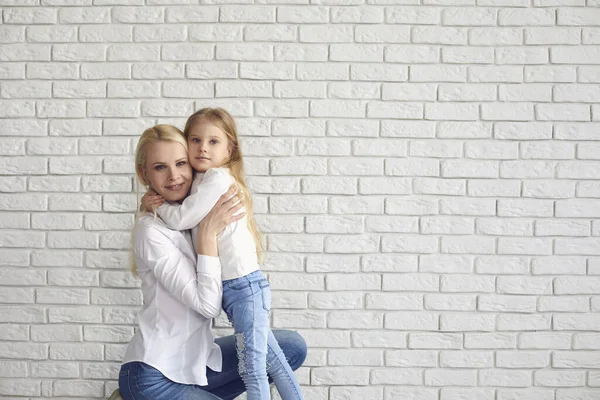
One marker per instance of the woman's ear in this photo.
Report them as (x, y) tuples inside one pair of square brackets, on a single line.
[(145, 176)]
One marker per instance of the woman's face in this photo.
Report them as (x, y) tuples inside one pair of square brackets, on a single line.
[(167, 170)]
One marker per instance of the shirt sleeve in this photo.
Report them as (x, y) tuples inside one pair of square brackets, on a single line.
[(197, 285), (194, 208)]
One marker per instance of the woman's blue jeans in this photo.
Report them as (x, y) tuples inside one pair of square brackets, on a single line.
[(247, 302), (139, 381)]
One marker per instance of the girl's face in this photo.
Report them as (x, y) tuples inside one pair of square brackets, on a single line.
[(167, 170), (208, 146)]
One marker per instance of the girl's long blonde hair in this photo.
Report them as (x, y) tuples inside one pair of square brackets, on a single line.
[(224, 121), (158, 133)]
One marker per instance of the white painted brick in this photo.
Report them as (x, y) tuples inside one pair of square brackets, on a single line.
[(504, 227), (553, 35), (332, 263), (352, 392), (449, 393), (138, 14), (298, 242), (359, 52), (409, 91), (541, 394), (334, 224), (351, 244), (76, 351), (378, 72), (24, 90), (575, 17), (445, 264), (191, 14), (413, 15), (495, 36), (354, 90), (394, 110), (374, 338), (61, 109), (159, 33), (335, 301), (12, 70), (438, 73), (453, 129), (317, 147), (30, 16), (12, 34), (295, 281), (80, 388), (103, 33), (413, 206), (331, 185), (14, 369), (505, 377), (105, 71), (527, 169), (282, 108), (20, 52), (339, 376), (51, 34), (591, 36), (409, 53), (412, 321)]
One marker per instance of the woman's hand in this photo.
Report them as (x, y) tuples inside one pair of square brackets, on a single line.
[(221, 215), (151, 201)]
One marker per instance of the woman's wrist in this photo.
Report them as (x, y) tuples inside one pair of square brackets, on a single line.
[(207, 243)]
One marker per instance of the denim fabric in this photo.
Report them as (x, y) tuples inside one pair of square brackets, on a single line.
[(139, 381), (247, 302)]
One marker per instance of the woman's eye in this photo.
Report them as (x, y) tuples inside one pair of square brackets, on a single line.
[(159, 167), (181, 163)]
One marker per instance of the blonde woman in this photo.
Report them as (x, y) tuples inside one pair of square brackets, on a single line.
[(173, 354)]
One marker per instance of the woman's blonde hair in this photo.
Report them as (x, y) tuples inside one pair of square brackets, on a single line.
[(158, 133), (224, 121)]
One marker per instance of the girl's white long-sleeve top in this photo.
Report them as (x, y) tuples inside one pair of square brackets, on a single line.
[(237, 249), (182, 293)]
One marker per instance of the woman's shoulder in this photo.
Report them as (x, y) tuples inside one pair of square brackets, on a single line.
[(151, 235), (147, 224)]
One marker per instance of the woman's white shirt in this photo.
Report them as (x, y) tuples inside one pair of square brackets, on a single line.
[(182, 293), (237, 249)]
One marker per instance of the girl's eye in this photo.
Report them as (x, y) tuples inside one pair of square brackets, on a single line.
[(214, 141), (194, 140)]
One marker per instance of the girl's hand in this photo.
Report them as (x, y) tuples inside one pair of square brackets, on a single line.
[(151, 201), (221, 215)]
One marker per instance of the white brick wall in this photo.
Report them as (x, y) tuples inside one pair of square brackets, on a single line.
[(426, 174)]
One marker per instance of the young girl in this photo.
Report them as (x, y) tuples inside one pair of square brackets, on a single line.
[(214, 153)]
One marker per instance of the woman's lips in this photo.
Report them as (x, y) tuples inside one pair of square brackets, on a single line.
[(175, 187)]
